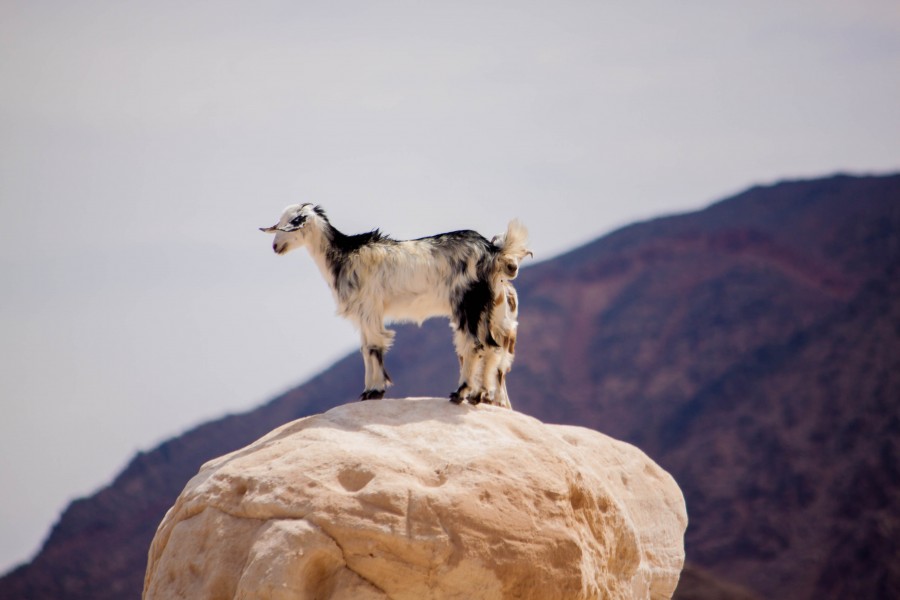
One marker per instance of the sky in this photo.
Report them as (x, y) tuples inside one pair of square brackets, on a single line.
[(143, 143)]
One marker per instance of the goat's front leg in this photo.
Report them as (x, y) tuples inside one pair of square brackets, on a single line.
[(375, 343)]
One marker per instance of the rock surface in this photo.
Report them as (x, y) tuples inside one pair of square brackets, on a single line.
[(420, 498)]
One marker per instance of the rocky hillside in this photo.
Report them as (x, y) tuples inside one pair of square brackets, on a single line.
[(752, 349)]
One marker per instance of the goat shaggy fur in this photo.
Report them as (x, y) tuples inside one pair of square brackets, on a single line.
[(374, 278), (483, 367)]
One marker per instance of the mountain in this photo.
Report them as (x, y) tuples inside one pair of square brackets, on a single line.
[(752, 349)]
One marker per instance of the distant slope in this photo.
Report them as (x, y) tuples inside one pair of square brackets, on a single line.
[(792, 458), (752, 348)]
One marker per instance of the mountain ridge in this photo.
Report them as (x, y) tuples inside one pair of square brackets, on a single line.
[(726, 343)]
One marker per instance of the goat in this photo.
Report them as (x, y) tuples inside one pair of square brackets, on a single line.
[(373, 277)]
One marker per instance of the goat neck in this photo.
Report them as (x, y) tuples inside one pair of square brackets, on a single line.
[(320, 245)]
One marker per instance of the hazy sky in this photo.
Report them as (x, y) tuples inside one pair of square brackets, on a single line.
[(143, 143)]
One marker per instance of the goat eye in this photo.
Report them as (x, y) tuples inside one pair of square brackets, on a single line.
[(297, 220)]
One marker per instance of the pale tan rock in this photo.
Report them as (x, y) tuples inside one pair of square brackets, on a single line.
[(423, 499)]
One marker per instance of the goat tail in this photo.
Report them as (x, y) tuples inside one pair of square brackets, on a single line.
[(511, 249), (514, 241)]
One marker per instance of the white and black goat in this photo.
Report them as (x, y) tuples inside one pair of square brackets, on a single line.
[(375, 278)]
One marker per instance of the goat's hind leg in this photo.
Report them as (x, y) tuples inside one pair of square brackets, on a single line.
[(470, 353), (491, 375)]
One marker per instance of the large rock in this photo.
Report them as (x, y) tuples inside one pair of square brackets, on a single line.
[(417, 499)]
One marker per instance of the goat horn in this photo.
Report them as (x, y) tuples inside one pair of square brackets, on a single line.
[(275, 228)]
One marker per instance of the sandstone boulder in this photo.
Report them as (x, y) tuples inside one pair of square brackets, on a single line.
[(417, 499)]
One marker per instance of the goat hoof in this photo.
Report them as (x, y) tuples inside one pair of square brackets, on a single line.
[(461, 393), (482, 397), (487, 398), (372, 395)]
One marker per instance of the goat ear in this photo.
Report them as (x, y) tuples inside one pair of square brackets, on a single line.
[(271, 229)]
